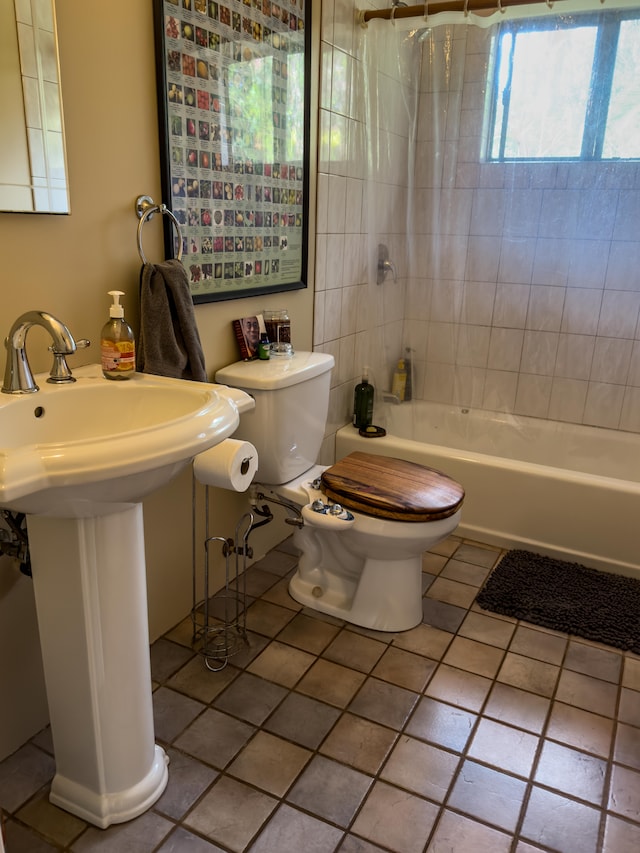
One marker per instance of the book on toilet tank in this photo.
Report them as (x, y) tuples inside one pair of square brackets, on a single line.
[(248, 331)]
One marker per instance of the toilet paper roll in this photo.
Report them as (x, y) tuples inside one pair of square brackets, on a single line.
[(229, 465)]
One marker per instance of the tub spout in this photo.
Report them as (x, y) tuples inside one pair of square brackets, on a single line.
[(18, 378), (388, 397)]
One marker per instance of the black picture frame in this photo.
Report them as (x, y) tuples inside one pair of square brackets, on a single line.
[(234, 115)]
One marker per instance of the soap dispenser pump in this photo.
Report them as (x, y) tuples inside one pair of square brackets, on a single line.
[(117, 344)]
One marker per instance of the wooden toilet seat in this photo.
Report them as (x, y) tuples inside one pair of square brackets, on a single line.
[(385, 487)]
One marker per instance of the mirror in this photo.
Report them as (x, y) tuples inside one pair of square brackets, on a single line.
[(33, 171)]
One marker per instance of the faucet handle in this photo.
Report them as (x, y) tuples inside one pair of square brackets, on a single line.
[(83, 343), (60, 371)]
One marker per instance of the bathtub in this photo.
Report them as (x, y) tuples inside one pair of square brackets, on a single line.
[(568, 491)]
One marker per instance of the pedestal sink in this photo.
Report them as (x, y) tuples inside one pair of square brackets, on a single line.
[(78, 459)]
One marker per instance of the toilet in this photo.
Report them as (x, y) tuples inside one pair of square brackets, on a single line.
[(367, 519)]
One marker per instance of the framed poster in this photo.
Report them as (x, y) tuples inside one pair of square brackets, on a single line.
[(233, 80)]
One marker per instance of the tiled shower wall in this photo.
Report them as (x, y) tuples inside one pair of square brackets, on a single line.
[(351, 315), (524, 293), (533, 295)]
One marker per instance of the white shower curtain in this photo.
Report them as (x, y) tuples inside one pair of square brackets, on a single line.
[(517, 276)]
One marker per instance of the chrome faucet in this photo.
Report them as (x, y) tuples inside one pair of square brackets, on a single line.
[(18, 378)]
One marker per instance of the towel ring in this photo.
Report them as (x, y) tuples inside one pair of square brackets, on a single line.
[(145, 209)]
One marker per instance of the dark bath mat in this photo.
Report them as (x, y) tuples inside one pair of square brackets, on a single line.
[(566, 597)]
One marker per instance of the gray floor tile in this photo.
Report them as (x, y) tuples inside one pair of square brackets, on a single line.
[(142, 835), (290, 831), (330, 790), (22, 774), (250, 698), (173, 712), (560, 823), (360, 743), (215, 738), (455, 736), (421, 767), (384, 703), (488, 795), (571, 772), (457, 832), (270, 763), (355, 651), (396, 819), (308, 633), (517, 707), (504, 747), (231, 813), (303, 720), (188, 780), (442, 724)]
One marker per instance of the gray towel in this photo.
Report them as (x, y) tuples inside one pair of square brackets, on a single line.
[(168, 343)]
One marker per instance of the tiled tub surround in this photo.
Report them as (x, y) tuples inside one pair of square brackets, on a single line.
[(471, 732), (524, 292)]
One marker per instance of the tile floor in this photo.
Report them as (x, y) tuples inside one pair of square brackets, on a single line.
[(469, 734)]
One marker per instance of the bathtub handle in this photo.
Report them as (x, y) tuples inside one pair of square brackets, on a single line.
[(385, 265)]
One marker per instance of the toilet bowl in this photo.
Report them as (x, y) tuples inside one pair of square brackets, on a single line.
[(367, 519)]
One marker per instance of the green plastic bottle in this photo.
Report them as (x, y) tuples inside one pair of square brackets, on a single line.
[(363, 402)]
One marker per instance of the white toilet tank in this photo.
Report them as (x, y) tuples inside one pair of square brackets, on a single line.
[(292, 400)]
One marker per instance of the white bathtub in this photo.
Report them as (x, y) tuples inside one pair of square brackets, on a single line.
[(571, 492)]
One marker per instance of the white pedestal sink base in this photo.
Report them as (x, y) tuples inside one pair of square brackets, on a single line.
[(90, 589)]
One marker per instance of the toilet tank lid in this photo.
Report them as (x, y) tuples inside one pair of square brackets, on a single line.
[(276, 372)]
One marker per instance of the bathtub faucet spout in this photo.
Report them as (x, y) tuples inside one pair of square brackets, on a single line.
[(388, 397)]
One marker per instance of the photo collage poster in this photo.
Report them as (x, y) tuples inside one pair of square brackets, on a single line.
[(235, 90)]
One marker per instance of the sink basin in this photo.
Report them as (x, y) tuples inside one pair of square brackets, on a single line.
[(76, 450)]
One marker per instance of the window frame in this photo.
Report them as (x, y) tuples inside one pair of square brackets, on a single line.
[(600, 85)]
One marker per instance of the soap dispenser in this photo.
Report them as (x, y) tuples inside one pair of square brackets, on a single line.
[(363, 402), (117, 344)]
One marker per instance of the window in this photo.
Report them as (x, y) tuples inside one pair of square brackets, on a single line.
[(567, 89)]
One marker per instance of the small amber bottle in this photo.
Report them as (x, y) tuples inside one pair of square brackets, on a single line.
[(117, 344)]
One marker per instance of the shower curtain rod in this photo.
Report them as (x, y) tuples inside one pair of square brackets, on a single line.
[(397, 12)]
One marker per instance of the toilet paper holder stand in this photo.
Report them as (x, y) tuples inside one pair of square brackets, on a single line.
[(219, 620)]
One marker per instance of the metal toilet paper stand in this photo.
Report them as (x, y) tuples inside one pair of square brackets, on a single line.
[(220, 620)]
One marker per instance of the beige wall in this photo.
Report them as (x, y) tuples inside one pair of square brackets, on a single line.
[(65, 265)]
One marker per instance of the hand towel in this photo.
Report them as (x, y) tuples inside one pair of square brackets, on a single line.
[(168, 343)]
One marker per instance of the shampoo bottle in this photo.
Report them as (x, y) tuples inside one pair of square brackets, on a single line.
[(399, 384), (408, 391), (363, 402), (117, 344)]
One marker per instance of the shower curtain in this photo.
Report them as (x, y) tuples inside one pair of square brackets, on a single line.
[(516, 262), (392, 60)]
